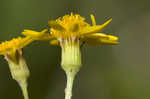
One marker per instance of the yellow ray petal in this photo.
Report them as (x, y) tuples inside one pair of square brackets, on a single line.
[(109, 42), (96, 35), (25, 41), (96, 40), (101, 41), (93, 19), (54, 42), (95, 28), (37, 35), (113, 38), (33, 33)]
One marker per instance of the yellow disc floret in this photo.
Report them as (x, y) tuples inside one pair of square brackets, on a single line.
[(68, 26)]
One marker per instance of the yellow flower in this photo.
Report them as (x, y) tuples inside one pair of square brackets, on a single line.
[(12, 50), (11, 46), (70, 32), (74, 26)]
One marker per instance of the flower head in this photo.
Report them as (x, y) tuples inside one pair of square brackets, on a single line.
[(70, 31), (12, 50), (10, 47), (75, 26)]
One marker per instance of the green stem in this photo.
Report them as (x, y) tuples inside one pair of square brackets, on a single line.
[(23, 86), (68, 90)]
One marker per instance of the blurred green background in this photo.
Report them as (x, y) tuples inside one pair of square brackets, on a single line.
[(108, 72)]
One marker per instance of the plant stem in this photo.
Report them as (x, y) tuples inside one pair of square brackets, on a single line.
[(68, 90), (23, 86), (71, 62)]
